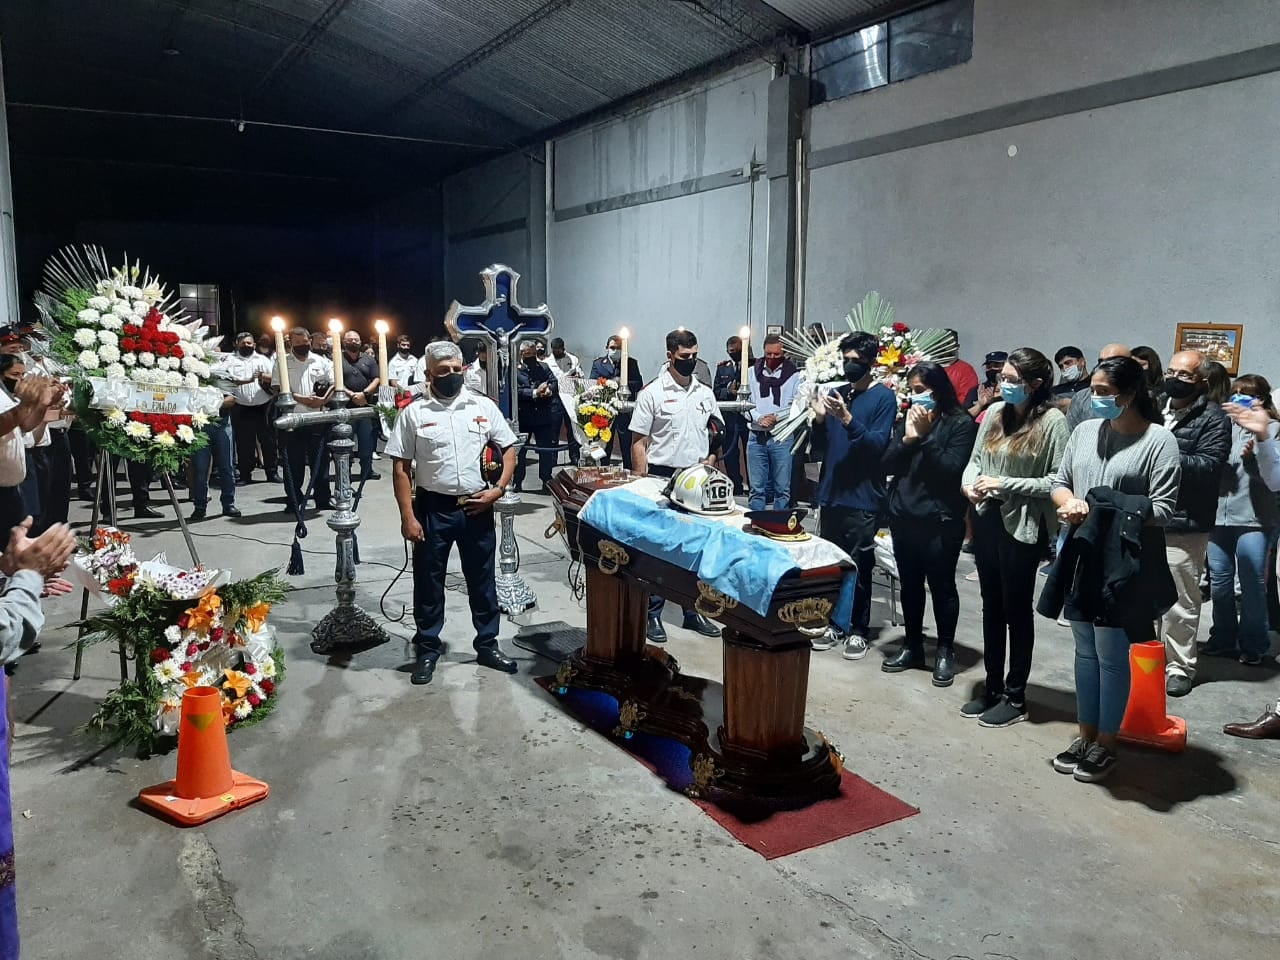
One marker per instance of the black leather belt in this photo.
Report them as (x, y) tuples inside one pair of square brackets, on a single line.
[(443, 501)]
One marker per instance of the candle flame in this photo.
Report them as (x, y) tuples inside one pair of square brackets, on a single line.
[(381, 326), (335, 325), (745, 333), (624, 333), (277, 323)]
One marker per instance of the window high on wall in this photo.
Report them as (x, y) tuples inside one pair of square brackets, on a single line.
[(923, 41), (201, 300)]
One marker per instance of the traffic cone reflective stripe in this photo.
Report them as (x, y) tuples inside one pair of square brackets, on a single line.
[(205, 786), (1146, 721)]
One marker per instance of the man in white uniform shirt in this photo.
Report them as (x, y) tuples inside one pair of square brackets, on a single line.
[(442, 436), (311, 378), (250, 372), (402, 368), (567, 369), (669, 432)]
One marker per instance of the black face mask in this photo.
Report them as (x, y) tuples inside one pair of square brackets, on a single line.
[(684, 367), (404, 351), (301, 352), (735, 356), (992, 375), (855, 370), (531, 362), (10, 385), (1179, 389), (246, 350), (447, 385)]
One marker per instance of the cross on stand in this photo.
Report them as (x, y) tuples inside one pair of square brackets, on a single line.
[(502, 325)]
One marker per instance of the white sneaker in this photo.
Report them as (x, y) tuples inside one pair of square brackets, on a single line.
[(855, 648), (827, 640), (376, 455)]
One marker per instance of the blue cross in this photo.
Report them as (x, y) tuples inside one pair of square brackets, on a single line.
[(502, 324)]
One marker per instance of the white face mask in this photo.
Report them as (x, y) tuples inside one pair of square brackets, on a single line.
[(1071, 373)]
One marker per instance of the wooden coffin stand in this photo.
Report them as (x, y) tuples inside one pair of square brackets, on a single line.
[(749, 748)]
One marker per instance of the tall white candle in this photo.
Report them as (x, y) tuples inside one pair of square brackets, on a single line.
[(745, 334), (381, 327), (624, 337), (335, 328), (282, 356)]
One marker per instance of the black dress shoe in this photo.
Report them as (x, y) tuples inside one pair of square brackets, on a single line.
[(147, 513), (423, 670), (908, 658), (944, 668), (700, 624), (495, 659), (273, 478), (197, 514), (231, 511), (324, 505), (371, 475), (655, 631)]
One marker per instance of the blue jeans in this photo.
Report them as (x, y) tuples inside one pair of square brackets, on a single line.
[(217, 452), (1247, 549), (769, 470), (1102, 676)]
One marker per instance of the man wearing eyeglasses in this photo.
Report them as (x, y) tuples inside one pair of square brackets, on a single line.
[(1203, 433)]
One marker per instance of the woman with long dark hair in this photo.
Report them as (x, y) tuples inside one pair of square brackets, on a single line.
[(1017, 451), (1244, 533), (1127, 449), (926, 458), (1152, 373)]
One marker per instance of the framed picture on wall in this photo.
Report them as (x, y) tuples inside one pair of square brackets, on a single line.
[(773, 330), (1217, 341)]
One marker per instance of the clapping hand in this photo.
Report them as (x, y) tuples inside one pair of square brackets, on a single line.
[(919, 423), (46, 554), (986, 395), (1073, 511), (1255, 419)]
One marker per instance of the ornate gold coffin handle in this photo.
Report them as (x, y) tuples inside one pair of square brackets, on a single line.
[(612, 558), (810, 616), (711, 603)]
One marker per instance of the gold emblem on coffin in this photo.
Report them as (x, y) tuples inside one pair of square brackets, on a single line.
[(810, 616), (564, 675), (711, 603), (629, 717), (705, 773), (612, 558)]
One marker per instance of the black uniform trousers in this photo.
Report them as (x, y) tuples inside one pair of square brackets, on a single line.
[(251, 428), (657, 602), (545, 436), (301, 448), (443, 525), (57, 499)]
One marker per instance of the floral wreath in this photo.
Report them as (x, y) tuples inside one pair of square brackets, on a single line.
[(595, 414), (115, 331), (184, 628)]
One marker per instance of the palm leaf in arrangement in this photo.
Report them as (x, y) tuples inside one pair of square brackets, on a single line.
[(870, 315), (940, 346)]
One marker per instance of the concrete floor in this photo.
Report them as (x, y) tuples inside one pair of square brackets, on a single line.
[(473, 819)]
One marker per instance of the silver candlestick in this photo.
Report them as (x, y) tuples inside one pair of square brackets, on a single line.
[(514, 595), (346, 625)]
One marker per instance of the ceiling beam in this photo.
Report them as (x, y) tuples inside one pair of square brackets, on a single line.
[(751, 22), (474, 58), (298, 49)]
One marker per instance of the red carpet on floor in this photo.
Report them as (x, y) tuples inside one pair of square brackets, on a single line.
[(860, 806)]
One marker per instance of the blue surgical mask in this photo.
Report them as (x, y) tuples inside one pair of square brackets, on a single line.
[(1106, 408), (923, 400), (1013, 393)]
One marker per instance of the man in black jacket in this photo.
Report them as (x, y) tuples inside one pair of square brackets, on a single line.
[(1203, 433)]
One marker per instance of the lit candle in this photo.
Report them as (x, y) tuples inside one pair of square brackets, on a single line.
[(381, 327), (335, 328), (282, 355), (745, 334), (624, 337)]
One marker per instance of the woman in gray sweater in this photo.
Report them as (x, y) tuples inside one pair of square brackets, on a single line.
[(1243, 534), (1124, 448)]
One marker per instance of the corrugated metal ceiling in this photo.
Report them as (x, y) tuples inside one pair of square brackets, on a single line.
[(824, 16)]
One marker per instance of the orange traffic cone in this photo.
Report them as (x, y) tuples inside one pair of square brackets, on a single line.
[(206, 786), (1145, 721)]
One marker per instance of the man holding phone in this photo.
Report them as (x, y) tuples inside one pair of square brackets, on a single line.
[(442, 436), (311, 377)]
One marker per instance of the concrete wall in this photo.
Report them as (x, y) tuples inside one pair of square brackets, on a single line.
[(1114, 222), (652, 225)]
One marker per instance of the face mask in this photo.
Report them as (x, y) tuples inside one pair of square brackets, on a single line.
[(246, 350), (10, 385), (558, 356), (923, 400), (1178, 389), (301, 352), (404, 351), (855, 370), (531, 362), (1071, 374), (1243, 400), (773, 363), (735, 356), (684, 367), (615, 355), (1013, 393), (1106, 408), (447, 385), (992, 376)]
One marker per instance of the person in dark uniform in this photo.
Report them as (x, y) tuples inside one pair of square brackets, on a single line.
[(360, 377), (442, 436), (610, 368), (727, 380), (537, 396)]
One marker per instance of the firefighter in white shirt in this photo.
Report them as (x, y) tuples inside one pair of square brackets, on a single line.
[(669, 431), (402, 368), (311, 378), (442, 436), (250, 372)]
